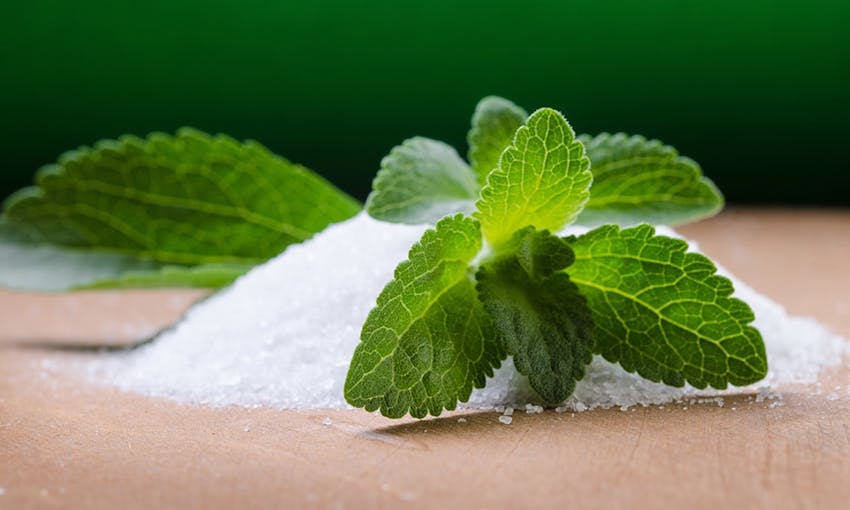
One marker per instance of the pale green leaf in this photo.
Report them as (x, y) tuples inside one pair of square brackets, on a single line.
[(541, 315), (421, 181), (212, 276), (663, 312), (542, 180), (25, 265), (636, 180), (44, 267), (428, 341), (186, 199), (494, 124)]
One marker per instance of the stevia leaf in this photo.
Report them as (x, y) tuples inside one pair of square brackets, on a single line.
[(541, 315), (211, 276), (637, 180), (493, 126), (37, 266), (663, 312), (542, 180), (187, 199), (420, 181), (428, 341), (48, 267)]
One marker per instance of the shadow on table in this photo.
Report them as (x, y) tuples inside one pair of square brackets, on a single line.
[(691, 410)]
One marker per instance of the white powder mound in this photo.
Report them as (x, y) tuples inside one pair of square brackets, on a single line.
[(283, 336)]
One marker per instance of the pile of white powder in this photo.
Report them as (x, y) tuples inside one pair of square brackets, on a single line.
[(283, 336)]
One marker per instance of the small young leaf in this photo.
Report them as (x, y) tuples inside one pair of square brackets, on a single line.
[(542, 180), (540, 313), (187, 199), (493, 126), (428, 341), (663, 312), (420, 181), (636, 180)]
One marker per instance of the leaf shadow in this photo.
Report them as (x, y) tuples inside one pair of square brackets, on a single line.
[(74, 346), (454, 424), (689, 411)]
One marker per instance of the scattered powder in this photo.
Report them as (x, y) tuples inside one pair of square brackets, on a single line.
[(461, 420), (764, 393), (327, 421), (283, 336), (2, 491)]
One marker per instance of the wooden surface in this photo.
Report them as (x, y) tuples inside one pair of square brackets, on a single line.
[(67, 444)]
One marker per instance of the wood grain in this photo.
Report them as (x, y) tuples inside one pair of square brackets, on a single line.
[(65, 443)]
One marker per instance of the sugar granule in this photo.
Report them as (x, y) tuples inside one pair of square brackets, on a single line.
[(283, 335)]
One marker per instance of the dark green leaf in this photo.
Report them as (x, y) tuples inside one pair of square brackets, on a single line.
[(540, 313)]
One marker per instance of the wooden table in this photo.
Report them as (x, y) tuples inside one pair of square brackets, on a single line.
[(68, 444)]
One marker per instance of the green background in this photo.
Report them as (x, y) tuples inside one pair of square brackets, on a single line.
[(755, 91)]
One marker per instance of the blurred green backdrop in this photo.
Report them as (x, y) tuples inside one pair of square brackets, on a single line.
[(755, 91)]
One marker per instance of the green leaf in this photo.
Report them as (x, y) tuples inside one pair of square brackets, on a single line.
[(637, 180), (211, 276), (540, 313), (663, 312), (542, 180), (494, 124), (421, 181), (188, 199), (45, 267), (428, 341)]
